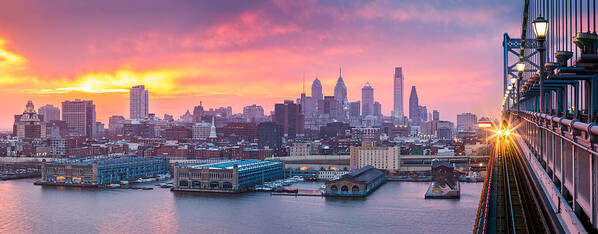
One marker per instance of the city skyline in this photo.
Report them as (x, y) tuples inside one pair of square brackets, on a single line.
[(199, 57)]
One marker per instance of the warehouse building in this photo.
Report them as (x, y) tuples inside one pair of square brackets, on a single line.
[(358, 183), (93, 171), (225, 177)]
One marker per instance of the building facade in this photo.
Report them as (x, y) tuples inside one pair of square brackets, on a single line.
[(414, 109), (435, 115), (138, 102), (201, 130), (270, 134), (288, 115), (80, 117), (316, 90), (101, 170), (386, 158), (225, 177), (50, 113), (358, 183), (398, 93), (254, 113), (367, 100), (29, 124), (467, 122)]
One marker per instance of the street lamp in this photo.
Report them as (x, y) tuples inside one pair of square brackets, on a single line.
[(540, 26), (520, 69)]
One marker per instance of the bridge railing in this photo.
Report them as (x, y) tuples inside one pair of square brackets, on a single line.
[(481, 221), (567, 151)]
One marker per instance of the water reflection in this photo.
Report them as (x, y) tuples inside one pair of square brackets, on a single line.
[(394, 207)]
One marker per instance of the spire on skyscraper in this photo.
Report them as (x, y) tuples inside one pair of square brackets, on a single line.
[(414, 109), (213, 129)]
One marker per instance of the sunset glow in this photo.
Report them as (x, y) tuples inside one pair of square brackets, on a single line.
[(255, 54)]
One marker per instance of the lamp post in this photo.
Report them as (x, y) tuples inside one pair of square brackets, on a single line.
[(520, 69), (512, 93), (508, 96), (540, 26)]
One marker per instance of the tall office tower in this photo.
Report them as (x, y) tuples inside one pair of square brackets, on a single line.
[(29, 124), (423, 113), (398, 93), (467, 122), (308, 106), (288, 115), (414, 109), (340, 92), (367, 100), (138, 102), (435, 115), (329, 106), (377, 109), (49, 112), (80, 117), (316, 90), (355, 109), (270, 134)]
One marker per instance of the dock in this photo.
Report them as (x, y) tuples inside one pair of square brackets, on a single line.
[(437, 191), (17, 176), (300, 193)]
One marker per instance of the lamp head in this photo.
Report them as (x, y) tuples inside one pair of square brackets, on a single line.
[(540, 26), (520, 67)]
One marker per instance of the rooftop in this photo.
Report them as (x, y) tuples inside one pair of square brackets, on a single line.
[(242, 165), (365, 174), (102, 160)]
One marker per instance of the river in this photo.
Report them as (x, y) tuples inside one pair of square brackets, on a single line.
[(396, 207)]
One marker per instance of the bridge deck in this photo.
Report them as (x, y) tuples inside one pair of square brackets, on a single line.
[(511, 201)]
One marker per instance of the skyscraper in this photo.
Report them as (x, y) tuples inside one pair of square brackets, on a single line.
[(467, 122), (377, 109), (288, 115), (331, 107), (435, 115), (49, 112), (29, 124), (80, 117), (355, 109), (340, 91), (138, 102), (398, 93), (414, 109), (316, 90), (367, 100), (423, 113)]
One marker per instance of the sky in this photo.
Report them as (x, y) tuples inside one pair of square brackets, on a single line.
[(238, 53)]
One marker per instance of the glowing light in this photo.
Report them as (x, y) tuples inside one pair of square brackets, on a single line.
[(8, 58), (484, 124)]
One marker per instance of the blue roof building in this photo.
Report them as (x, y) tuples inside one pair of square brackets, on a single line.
[(226, 177), (101, 170)]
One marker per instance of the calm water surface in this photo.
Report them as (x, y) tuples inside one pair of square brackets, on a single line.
[(397, 207)]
